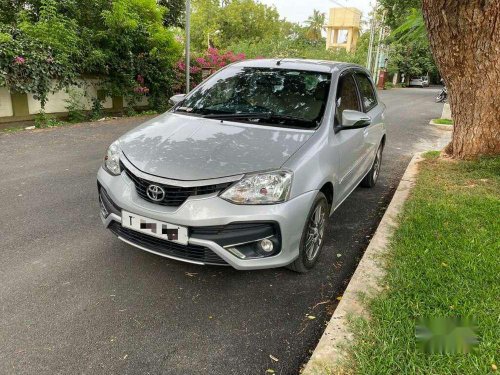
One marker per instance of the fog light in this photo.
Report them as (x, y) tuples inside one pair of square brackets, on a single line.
[(266, 245)]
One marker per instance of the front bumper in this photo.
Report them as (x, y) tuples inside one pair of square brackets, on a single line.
[(208, 211)]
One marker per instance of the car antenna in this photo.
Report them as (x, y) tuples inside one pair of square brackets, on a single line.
[(279, 62)]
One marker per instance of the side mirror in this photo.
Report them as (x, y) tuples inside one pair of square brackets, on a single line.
[(354, 120), (176, 99)]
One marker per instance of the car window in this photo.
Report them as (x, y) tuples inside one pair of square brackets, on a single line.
[(285, 93), (368, 97), (347, 97)]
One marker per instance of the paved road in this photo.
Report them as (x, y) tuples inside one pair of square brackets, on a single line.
[(74, 299)]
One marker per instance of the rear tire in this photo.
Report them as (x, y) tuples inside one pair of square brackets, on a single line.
[(313, 235), (371, 178)]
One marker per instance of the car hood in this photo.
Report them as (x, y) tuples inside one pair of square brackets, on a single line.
[(185, 147)]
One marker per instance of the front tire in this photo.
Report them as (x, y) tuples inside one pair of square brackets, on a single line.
[(313, 235), (371, 178)]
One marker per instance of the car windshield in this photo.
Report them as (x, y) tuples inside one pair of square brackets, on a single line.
[(290, 98)]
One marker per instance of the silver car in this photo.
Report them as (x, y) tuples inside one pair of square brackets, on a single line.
[(420, 81), (247, 168)]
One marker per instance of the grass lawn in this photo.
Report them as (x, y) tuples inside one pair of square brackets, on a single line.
[(443, 121), (444, 262)]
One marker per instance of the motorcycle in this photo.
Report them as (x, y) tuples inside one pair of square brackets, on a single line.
[(443, 95)]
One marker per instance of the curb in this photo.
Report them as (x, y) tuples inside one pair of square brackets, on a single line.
[(331, 349), (441, 126)]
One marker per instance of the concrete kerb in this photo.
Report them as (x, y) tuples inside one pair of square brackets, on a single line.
[(332, 347), (441, 126)]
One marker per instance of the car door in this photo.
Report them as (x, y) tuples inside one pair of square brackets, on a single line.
[(372, 107), (349, 143)]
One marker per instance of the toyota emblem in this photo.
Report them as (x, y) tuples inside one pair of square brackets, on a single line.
[(155, 193)]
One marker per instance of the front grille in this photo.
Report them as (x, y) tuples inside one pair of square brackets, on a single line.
[(189, 252), (174, 195)]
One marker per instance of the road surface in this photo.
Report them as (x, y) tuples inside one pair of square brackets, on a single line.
[(74, 299)]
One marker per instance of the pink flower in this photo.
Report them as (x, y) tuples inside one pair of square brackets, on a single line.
[(140, 79), (19, 60), (201, 61)]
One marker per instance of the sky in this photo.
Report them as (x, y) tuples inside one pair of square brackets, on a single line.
[(300, 10)]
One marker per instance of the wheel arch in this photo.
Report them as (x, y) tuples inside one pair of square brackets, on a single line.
[(327, 189)]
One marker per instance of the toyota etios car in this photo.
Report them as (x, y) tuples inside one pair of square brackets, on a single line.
[(247, 168)]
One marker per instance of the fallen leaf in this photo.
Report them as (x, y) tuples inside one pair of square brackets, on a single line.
[(191, 274), (311, 317), (339, 298), (444, 264), (125, 357), (339, 255), (494, 367), (273, 358), (270, 371)]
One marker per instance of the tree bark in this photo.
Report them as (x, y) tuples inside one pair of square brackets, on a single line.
[(465, 40)]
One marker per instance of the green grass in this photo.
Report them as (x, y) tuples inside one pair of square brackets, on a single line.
[(444, 261), (443, 121)]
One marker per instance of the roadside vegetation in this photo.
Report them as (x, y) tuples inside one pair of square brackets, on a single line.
[(134, 48), (443, 262), (443, 121)]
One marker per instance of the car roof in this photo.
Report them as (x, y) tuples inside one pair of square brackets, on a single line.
[(325, 66)]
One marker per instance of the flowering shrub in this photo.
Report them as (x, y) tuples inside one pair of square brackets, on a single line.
[(213, 59)]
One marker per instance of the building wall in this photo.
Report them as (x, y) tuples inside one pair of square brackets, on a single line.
[(343, 20), (57, 102), (5, 103)]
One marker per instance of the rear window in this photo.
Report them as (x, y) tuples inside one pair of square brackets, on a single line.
[(368, 97)]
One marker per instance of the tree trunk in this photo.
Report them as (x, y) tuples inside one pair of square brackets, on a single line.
[(465, 40)]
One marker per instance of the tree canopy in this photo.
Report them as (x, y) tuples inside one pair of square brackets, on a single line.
[(133, 46)]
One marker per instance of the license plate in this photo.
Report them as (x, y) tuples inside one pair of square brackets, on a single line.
[(155, 228)]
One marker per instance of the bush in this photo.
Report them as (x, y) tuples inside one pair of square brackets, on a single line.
[(212, 59), (97, 110), (75, 106), (42, 120)]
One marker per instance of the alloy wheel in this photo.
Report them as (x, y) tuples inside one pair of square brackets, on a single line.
[(376, 164), (315, 232)]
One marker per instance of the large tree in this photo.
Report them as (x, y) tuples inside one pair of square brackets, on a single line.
[(465, 39)]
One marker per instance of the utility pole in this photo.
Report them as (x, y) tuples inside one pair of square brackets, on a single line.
[(379, 46), (372, 38), (188, 42)]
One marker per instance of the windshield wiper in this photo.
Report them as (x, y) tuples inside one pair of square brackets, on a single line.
[(243, 115), (260, 116)]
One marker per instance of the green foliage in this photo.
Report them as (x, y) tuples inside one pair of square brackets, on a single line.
[(301, 48), (52, 29), (55, 41), (174, 16), (97, 110), (411, 59), (234, 21), (42, 120), (75, 106), (397, 11), (388, 85), (31, 65), (315, 25), (412, 29), (443, 262), (409, 51)]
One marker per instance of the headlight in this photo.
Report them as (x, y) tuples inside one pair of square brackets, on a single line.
[(261, 188), (112, 159)]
